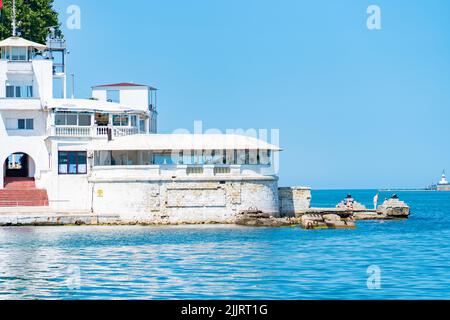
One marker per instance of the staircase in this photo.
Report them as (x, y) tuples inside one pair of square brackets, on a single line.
[(22, 192)]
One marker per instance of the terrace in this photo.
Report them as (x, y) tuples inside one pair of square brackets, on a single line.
[(94, 119), (95, 125)]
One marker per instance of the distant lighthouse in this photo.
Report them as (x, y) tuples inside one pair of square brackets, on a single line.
[(443, 185)]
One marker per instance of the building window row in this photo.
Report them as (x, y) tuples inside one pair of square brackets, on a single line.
[(19, 124), (215, 157), (73, 119), (16, 53), (19, 91), (84, 120)]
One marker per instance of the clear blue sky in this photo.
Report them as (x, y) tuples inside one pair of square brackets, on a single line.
[(355, 108)]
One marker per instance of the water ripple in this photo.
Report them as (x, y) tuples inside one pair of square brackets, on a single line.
[(224, 262)]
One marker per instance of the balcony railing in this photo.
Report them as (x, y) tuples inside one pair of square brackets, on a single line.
[(92, 132)]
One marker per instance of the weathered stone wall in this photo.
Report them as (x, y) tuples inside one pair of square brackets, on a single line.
[(184, 201), (294, 200)]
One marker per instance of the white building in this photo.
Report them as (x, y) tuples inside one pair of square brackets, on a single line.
[(104, 156)]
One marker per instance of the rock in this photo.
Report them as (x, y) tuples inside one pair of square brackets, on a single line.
[(256, 218), (341, 224), (331, 217), (394, 208), (333, 221), (326, 221), (369, 216), (313, 221), (312, 217)]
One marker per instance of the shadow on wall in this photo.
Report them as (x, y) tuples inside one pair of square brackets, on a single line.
[(294, 200)]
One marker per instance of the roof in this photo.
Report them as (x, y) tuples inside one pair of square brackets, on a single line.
[(87, 105), (124, 85), (160, 142), (21, 42)]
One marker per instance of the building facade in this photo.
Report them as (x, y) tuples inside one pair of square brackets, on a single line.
[(104, 156)]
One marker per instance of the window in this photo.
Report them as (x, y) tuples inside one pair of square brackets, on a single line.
[(19, 91), (73, 119), (84, 120), (20, 124), (113, 96), (72, 162), (120, 120), (10, 91), (133, 121), (264, 157), (141, 125), (163, 159), (6, 53), (19, 54)]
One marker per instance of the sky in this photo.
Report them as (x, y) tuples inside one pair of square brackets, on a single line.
[(355, 108)]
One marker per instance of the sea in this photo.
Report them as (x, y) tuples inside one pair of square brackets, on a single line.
[(408, 259)]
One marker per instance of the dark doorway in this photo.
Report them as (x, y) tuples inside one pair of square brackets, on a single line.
[(17, 165)]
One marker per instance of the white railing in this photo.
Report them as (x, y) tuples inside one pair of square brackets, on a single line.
[(93, 132), (73, 131), (102, 131), (121, 132)]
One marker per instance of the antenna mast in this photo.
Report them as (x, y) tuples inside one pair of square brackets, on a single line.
[(14, 26)]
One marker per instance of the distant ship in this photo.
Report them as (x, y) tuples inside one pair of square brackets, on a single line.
[(443, 185)]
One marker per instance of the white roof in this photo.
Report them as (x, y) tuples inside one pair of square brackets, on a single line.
[(87, 105), (20, 104), (160, 142), (21, 42)]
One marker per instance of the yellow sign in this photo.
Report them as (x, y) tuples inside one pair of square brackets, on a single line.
[(100, 193)]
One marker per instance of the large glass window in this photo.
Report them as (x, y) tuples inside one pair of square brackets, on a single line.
[(72, 119), (84, 120), (19, 91), (19, 54), (162, 159), (187, 157), (72, 162), (120, 120)]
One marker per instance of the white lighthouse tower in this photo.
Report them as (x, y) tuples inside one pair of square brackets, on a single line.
[(443, 184)]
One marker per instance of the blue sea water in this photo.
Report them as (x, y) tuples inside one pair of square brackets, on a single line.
[(227, 262)]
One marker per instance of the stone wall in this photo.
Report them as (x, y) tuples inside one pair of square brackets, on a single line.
[(172, 201), (294, 200)]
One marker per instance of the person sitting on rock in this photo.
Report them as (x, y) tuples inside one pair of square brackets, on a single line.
[(349, 201)]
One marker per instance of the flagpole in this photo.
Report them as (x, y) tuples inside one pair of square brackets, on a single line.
[(14, 19)]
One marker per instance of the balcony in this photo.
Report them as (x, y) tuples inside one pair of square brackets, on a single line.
[(91, 132)]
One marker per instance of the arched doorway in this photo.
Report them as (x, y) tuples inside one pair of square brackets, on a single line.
[(19, 165)]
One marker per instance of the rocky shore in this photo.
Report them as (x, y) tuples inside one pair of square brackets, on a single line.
[(341, 217), (344, 216)]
